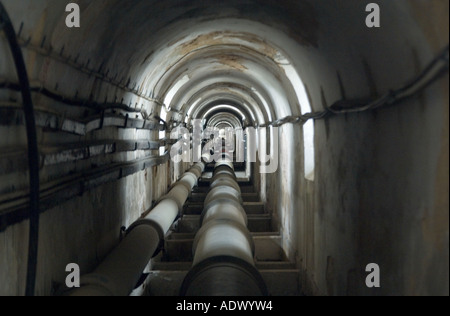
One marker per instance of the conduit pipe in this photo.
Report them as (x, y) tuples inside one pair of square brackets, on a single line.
[(223, 248), (118, 274), (226, 160)]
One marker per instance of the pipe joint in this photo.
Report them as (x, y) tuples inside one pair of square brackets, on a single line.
[(226, 209), (210, 240), (224, 276), (223, 192), (156, 226)]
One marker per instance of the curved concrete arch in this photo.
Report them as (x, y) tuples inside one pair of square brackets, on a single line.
[(239, 94), (226, 106), (224, 116), (227, 58), (262, 98)]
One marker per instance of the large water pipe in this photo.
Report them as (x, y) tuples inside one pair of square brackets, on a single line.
[(223, 248), (118, 274)]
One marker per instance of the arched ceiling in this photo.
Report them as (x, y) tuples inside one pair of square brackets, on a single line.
[(216, 59), (254, 54)]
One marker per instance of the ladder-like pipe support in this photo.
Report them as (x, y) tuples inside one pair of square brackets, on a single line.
[(119, 273), (223, 248)]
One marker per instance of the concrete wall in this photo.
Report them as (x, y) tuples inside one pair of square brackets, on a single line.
[(380, 193), (83, 231), (378, 198), (381, 189)]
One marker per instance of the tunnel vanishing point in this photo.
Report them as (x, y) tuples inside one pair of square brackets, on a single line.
[(224, 148)]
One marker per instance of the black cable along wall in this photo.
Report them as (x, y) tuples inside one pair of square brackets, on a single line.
[(33, 154)]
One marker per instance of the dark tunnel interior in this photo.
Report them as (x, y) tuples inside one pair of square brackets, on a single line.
[(238, 147)]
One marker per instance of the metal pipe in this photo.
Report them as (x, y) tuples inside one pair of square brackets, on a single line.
[(206, 157), (223, 237), (223, 276), (224, 209), (120, 271), (224, 169), (224, 193), (228, 162), (225, 180), (223, 248)]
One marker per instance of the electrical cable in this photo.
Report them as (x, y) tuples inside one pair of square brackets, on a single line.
[(68, 101), (33, 155), (437, 68)]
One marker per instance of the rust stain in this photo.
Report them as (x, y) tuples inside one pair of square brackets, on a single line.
[(266, 48), (232, 61), (174, 42), (223, 38)]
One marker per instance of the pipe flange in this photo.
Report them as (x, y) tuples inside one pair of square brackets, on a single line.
[(197, 169), (218, 262), (156, 226), (201, 165), (224, 201), (229, 222), (192, 175), (225, 181), (172, 197), (212, 195), (228, 164), (186, 185), (226, 172), (224, 168)]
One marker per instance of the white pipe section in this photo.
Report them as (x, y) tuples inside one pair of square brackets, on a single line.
[(223, 248), (206, 157), (225, 162), (224, 171), (120, 271), (225, 210), (225, 180), (224, 231), (223, 193), (163, 214), (178, 194), (223, 237)]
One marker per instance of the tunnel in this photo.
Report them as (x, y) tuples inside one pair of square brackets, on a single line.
[(140, 137)]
